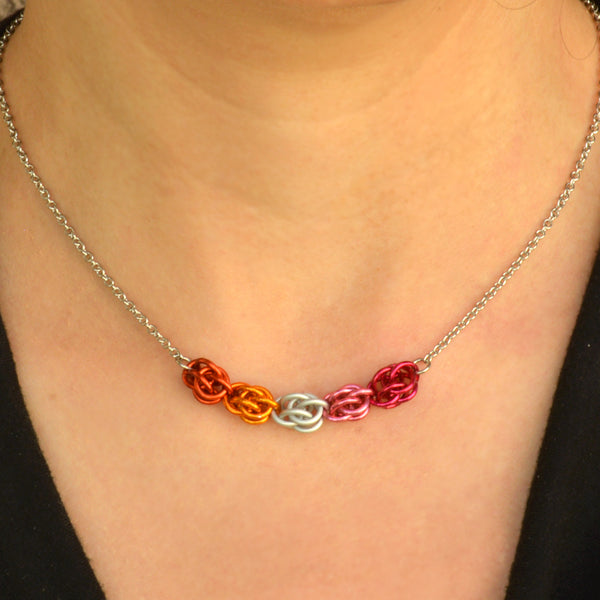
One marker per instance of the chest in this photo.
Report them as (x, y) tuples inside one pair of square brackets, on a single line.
[(174, 499)]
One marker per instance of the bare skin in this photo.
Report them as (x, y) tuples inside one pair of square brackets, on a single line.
[(303, 192)]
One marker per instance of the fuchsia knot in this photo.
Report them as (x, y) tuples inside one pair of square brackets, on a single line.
[(349, 403), (395, 384)]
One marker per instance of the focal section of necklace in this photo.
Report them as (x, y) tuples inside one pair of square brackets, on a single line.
[(391, 386)]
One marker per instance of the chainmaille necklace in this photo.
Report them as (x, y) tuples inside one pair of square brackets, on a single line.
[(210, 384)]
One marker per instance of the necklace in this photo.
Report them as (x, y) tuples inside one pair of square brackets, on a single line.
[(210, 384)]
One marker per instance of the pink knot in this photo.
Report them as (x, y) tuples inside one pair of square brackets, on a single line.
[(349, 403), (394, 384)]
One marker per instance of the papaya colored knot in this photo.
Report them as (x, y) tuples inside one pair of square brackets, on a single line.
[(302, 412), (349, 403), (209, 382), (395, 384), (252, 403)]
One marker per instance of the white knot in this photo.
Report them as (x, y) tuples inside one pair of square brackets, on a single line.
[(302, 412)]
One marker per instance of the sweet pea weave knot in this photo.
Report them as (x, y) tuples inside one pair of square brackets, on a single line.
[(350, 403), (395, 384), (253, 403), (208, 382), (302, 412)]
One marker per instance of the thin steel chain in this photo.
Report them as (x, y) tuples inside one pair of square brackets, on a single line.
[(98, 269), (174, 352), (539, 235)]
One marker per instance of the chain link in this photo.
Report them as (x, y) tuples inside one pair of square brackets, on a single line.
[(174, 352)]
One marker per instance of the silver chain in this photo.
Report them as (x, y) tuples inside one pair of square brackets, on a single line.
[(538, 236), (100, 271), (174, 352)]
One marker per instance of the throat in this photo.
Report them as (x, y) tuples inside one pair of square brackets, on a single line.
[(314, 107)]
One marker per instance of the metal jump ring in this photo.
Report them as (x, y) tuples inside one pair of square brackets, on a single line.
[(426, 361)]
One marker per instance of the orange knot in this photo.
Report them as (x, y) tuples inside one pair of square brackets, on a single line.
[(252, 403), (209, 382)]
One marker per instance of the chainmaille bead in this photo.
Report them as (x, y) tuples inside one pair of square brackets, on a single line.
[(395, 384), (253, 403), (349, 403), (302, 412), (209, 382)]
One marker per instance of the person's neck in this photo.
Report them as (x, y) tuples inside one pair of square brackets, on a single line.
[(198, 91)]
